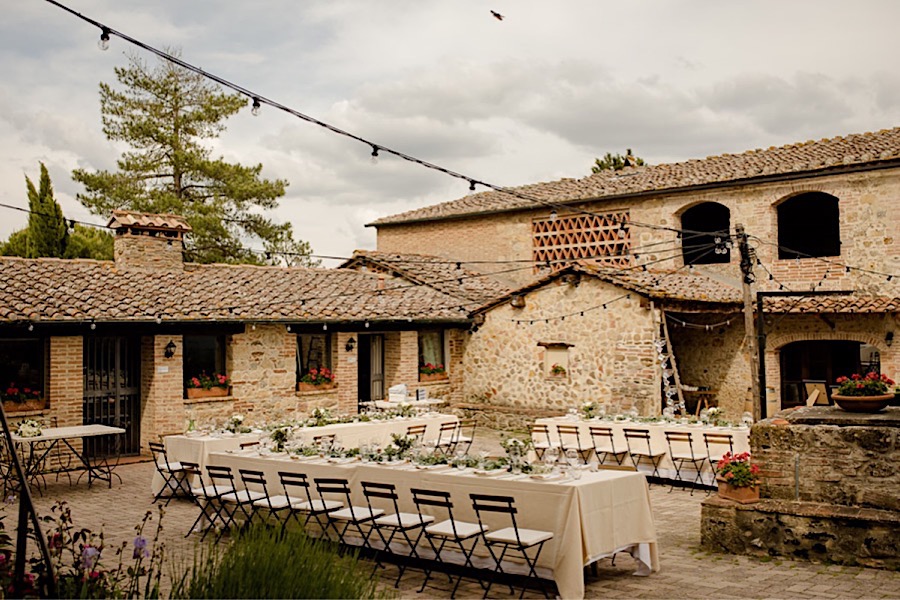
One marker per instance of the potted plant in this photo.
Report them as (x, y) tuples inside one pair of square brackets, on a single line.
[(430, 372), (863, 393), (315, 380), (738, 479), (16, 398), (208, 386), (557, 370)]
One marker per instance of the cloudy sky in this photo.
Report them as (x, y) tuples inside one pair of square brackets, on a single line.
[(534, 97)]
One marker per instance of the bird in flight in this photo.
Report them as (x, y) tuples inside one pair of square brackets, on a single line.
[(497, 15)]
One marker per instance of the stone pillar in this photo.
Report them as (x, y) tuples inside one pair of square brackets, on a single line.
[(67, 379), (162, 388)]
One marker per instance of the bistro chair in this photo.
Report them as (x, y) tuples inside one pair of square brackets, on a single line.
[(681, 451), (509, 539), (351, 517), (209, 498), (540, 437), (717, 445), (638, 441), (173, 473), (465, 435), (257, 479), (462, 534), (302, 503), (570, 439), (416, 431), (236, 501), (445, 439), (605, 445), (392, 524)]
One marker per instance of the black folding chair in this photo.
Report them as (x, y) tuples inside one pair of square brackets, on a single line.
[(637, 440), (715, 449), (343, 520), (465, 435), (605, 445), (257, 480), (446, 438), (173, 473), (450, 530), (510, 539), (303, 503), (209, 499), (394, 523), (540, 438), (570, 439), (416, 431), (681, 451)]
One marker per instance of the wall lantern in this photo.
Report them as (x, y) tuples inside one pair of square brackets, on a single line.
[(351, 343), (889, 338), (170, 349), (517, 301)]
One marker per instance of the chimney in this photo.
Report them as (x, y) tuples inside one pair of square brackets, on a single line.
[(147, 241)]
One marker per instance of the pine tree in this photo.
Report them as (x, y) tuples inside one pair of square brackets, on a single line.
[(165, 114), (616, 162)]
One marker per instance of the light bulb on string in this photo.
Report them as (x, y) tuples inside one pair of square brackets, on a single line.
[(553, 215), (374, 158), (256, 106), (103, 42), (471, 186)]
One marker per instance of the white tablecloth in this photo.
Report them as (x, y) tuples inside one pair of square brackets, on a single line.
[(590, 518), (196, 448), (740, 438)]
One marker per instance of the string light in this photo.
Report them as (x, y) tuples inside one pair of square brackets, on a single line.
[(103, 42), (256, 107), (374, 158)]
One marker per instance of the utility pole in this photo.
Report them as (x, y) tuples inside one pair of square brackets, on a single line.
[(750, 339)]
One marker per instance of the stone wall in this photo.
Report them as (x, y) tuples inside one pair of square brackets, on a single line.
[(611, 357), (829, 490), (868, 214), (824, 454)]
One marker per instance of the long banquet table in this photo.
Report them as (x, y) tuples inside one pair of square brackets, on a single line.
[(593, 517), (196, 447), (740, 437)]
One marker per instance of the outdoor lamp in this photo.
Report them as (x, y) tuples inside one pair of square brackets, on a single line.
[(889, 338), (170, 349), (351, 343)]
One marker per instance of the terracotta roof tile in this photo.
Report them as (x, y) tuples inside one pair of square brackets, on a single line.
[(811, 156), (453, 279), (78, 290), (852, 303), (127, 218)]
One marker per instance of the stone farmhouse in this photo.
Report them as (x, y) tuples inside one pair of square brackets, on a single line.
[(649, 255), (116, 342)]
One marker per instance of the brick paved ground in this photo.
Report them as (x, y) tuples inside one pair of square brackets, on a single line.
[(686, 571)]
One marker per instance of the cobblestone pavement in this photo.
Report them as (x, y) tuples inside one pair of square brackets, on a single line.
[(687, 572)]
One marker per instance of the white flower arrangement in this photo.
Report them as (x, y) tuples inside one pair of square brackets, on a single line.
[(29, 428), (515, 447), (235, 423), (713, 413), (589, 409)]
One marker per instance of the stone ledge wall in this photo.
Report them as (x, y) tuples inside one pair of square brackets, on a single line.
[(802, 530), (823, 454)]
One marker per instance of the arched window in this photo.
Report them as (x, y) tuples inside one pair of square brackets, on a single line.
[(809, 225), (714, 221)]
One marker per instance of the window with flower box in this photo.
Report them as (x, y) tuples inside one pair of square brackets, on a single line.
[(22, 376), (203, 354), (313, 353), (432, 361)]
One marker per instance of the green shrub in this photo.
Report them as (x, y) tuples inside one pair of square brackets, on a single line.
[(263, 562)]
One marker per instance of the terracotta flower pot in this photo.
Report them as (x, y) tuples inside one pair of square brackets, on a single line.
[(863, 404), (424, 377), (215, 392), (741, 495)]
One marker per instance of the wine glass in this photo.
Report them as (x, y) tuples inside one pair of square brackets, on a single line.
[(460, 461)]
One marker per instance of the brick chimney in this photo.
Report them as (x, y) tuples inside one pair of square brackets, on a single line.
[(147, 241)]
